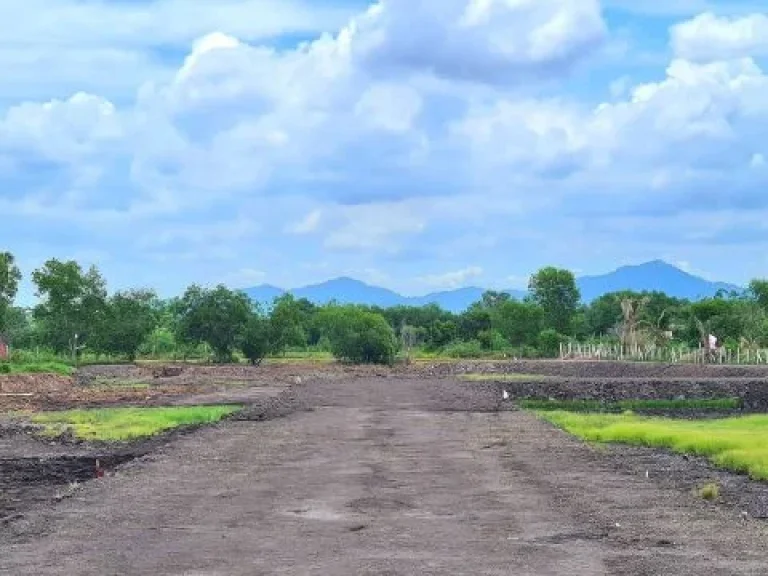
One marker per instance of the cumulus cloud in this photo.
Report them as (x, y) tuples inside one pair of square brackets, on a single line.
[(453, 279), (479, 40), (411, 132), (708, 37)]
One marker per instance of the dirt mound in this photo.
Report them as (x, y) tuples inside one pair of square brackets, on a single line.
[(595, 369), (34, 383)]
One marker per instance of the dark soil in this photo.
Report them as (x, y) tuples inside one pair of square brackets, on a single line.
[(395, 475)]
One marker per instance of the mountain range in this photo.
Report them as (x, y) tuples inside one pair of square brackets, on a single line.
[(651, 276)]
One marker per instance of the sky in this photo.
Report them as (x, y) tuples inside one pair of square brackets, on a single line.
[(418, 146)]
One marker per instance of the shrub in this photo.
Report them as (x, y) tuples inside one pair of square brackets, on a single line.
[(470, 349), (360, 336), (710, 491), (549, 343)]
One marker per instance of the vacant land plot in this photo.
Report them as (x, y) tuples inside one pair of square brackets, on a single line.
[(406, 471)]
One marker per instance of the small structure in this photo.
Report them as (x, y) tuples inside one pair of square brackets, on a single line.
[(4, 349)]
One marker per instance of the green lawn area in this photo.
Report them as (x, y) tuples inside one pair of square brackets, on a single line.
[(121, 424), (739, 444), (36, 368), (675, 405)]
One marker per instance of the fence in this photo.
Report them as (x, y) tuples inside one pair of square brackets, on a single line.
[(671, 354)]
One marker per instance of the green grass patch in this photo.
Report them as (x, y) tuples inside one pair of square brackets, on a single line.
[(710, 491), (119, 384), (675, 405), (36, 368), (122, 424), (738, 443), (516, 377)]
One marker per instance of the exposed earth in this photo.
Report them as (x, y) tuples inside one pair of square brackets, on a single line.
[(349, 471)]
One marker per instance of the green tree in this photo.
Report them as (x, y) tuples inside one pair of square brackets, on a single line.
[(556, 292), (255, 343), (359, 336), (129, 320), (72, 304), (758, 291), (288, 321), (217, 317), (10, 276), (473, 321), (518, 322)]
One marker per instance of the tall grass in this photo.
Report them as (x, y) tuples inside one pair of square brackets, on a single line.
[(121, 424), (739, 444)]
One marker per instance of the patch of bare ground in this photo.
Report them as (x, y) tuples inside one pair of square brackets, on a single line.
[(372, 475)]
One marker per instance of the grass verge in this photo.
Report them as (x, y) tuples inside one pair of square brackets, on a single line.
[(36, 368), (122, 424), (675, 405), (738, 443)]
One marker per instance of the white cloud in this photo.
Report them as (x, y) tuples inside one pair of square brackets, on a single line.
[(479, 40), (412, 133), (708, 37), (308, 224), (375, 227), (454, 279)]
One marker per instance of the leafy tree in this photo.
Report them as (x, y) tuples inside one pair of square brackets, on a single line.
[(129, 320), (287, 323), (216, 316), (473, 321), (19, 328), (160, 342), (758, 291), (10, 276), (518, 322), (556, 292), (359, 336), (492, 298), (73, 303), (255, 343), (441, 333)]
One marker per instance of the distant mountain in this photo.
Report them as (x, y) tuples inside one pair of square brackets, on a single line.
[(651, 276), (656, 275)]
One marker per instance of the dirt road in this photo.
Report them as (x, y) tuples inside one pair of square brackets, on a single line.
[(382, 477)]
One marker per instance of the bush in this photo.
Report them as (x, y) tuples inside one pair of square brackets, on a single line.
[(549, 343), (5, 368), (360, 336), (470, 349)]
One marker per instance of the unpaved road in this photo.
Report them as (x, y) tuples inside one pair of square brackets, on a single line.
[(382, 477)]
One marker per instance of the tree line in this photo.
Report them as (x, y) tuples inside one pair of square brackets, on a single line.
[(76, 314)]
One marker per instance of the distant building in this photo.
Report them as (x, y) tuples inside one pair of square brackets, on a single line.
[(4, 349)]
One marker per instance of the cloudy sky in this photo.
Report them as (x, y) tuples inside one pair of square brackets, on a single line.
[(417, 145)]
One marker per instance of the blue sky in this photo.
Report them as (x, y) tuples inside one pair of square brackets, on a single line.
[(459, 142)]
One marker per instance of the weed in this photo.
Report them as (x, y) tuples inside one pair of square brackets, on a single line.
[(710, 491)]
